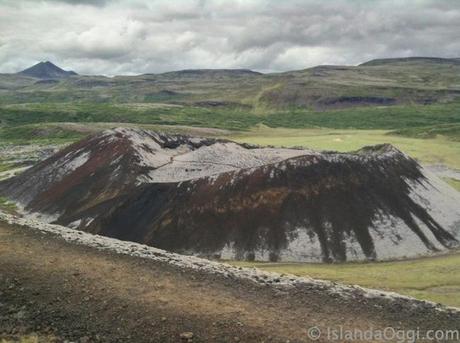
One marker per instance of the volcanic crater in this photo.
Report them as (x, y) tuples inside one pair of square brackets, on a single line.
[(221, 199)]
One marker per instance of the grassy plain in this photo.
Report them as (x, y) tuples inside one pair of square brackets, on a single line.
[(453, 182), (436, 150), (407, 118), (435, 279), (7, 206)]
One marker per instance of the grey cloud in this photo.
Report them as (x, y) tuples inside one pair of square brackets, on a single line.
[(138, 36), (83, 2)]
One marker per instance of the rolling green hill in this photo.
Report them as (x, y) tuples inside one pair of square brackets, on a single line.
[(378, 82), (416, 96)]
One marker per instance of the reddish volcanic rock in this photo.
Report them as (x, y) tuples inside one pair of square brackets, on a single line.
[(222, 199)]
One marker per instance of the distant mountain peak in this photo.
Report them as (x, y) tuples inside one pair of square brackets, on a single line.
[(47, 70)]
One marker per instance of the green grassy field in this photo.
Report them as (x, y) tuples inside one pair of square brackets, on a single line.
[(453, 182), (432, 278), (410, 120), (68, 132), (4, 166), (436, 150), (7, 206), (40, 134)]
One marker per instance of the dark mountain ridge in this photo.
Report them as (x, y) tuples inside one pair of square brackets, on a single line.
[(44, 68), (205, 73), (386, 61), (47, 70)]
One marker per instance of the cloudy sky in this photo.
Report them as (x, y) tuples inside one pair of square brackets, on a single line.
[(140, 36)]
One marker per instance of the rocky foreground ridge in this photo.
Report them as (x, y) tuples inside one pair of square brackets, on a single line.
[(254, 275), (222, 199)]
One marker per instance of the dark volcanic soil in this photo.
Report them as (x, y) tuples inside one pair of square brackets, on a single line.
[(55, 289), (218, 198)]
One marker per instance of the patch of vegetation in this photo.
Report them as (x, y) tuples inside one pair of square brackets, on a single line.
[(435, 278), (453, 182), (8, 206), (378, 117), (74, 112), (452, 131), (39, 133), (235, 118), (33, 338), (5, 166)]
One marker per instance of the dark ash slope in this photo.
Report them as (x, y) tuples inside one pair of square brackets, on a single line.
[(330, 202), (218, 198)]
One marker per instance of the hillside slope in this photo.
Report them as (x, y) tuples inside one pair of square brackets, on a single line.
[(411, 60), (376, 83), (106, 290)]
